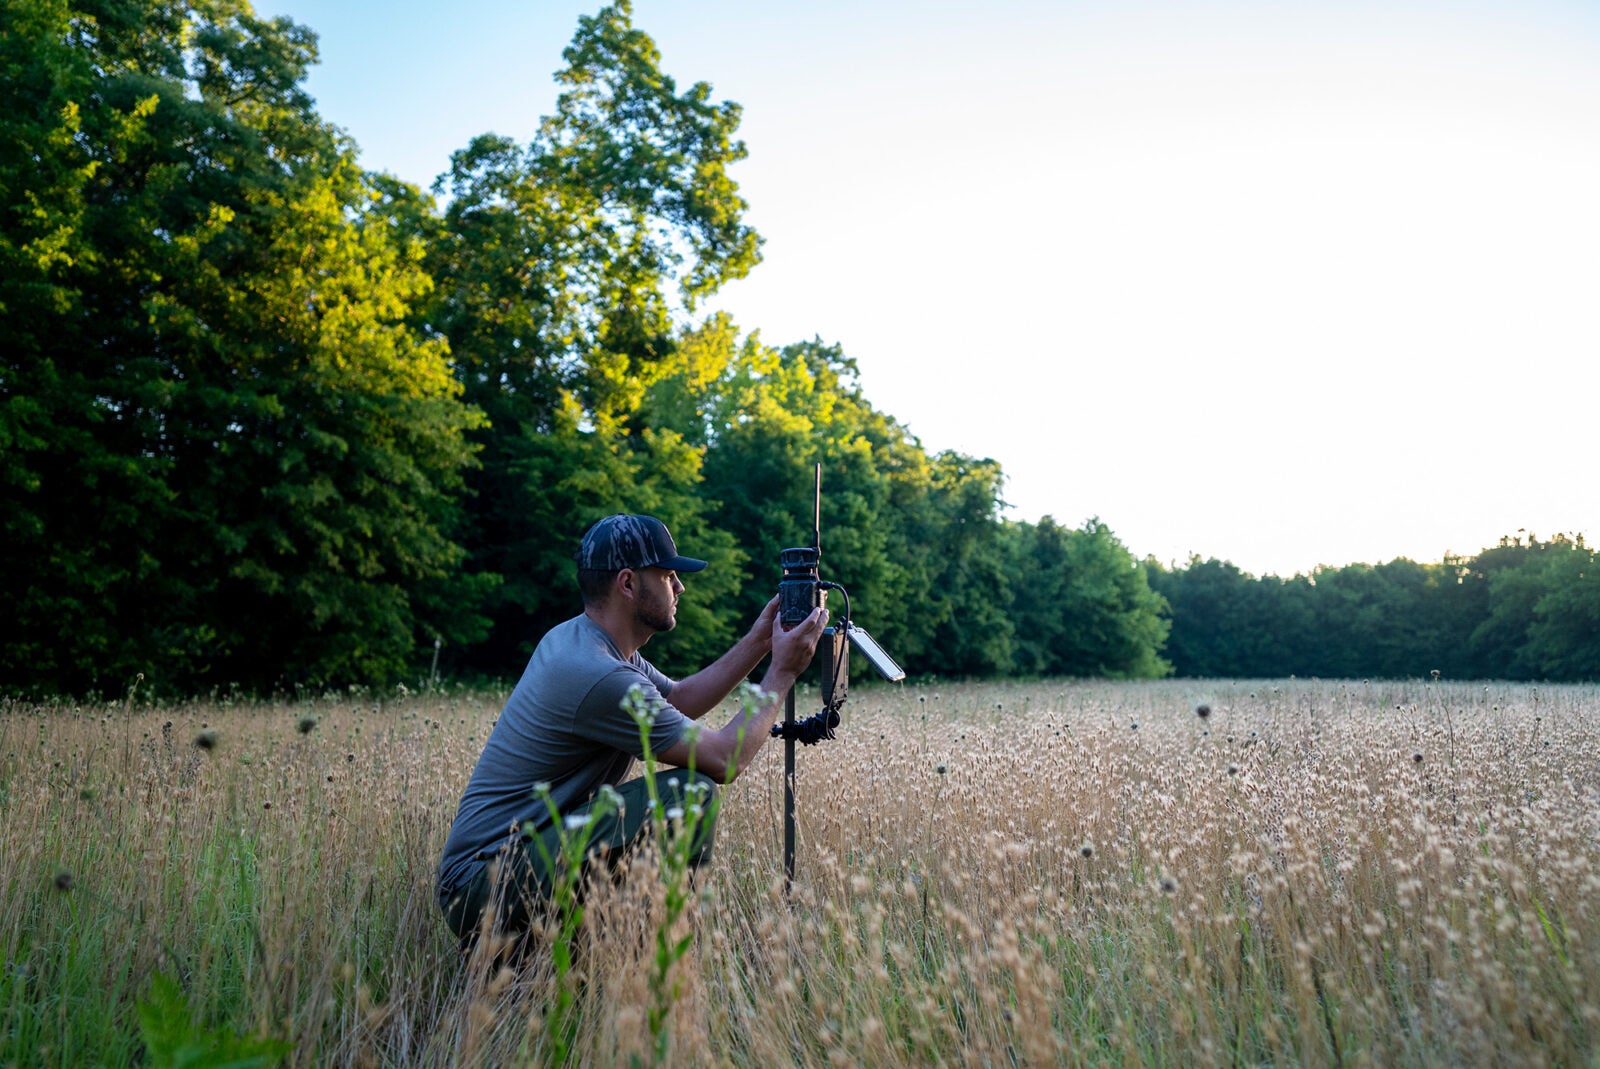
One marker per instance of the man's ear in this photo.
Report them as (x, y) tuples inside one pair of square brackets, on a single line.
[(627, 582)]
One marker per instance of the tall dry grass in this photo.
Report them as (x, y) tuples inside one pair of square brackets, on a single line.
[(1056, 873)]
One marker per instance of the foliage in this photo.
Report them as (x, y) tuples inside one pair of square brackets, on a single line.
[(559, 268), (173, 1041), (228, 459), (268, 420), (1523, 609), (1084, 606)]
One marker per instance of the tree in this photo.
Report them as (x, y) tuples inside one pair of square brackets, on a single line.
[(1220, 626), (235, 462), (1564, 637), (563, 268), (970, 590), (1522, 609), (1082, 605), (1371, 621)]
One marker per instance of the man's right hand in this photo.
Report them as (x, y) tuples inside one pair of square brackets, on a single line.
[(793, 649)]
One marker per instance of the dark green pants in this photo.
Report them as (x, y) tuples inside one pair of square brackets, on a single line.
[(518, 882)]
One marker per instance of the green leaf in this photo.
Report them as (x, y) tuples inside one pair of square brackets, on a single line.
[(174, 1041)]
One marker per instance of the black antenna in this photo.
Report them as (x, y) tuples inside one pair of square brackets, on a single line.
[(816, 515)]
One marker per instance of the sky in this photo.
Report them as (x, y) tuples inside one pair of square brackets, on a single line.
[(1288, 284)]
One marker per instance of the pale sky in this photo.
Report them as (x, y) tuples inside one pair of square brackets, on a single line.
[(1287, 283)]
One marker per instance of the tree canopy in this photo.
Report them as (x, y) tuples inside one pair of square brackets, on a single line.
[(1523, 609), (270, 419), (228, 455)]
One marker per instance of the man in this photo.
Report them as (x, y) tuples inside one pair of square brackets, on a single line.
[(564, 725)]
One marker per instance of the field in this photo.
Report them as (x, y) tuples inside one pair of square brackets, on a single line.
[(1319, 873)]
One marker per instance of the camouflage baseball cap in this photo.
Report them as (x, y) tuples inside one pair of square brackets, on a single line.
[(623, 541)]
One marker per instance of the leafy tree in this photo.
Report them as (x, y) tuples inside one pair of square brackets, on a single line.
[(59, 552), (1082, 605), (1370, 622), (970, 583), (234, 461), (1519, 610), (1537, 600), (1564, 637), (1219, 628), (780, 413), (1511, 580), (914, 539), (562, 267)]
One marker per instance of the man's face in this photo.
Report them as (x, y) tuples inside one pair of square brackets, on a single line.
[(656, 605)]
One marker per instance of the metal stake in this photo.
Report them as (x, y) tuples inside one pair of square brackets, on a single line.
[(788, 796)]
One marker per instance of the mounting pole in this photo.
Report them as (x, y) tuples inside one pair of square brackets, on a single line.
[(788, 713), (788, 796)]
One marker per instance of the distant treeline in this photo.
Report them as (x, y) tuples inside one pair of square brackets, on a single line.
[(1524, 609), (272, 420)]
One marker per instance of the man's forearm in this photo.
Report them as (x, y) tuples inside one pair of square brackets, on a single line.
[(702, 692), (751, 729)]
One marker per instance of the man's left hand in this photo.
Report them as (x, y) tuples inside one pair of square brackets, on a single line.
[(761, 630)]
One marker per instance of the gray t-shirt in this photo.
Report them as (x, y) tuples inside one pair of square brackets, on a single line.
[(563, 725)]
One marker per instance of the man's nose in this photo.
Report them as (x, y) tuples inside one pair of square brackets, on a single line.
[(677, 586)]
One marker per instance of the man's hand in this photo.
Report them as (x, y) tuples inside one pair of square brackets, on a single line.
[(793, 649), (761, 630)]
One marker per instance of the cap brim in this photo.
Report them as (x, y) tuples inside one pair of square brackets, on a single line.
[(682, 564)]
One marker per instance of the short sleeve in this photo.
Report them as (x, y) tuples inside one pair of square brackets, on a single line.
[(601, 717)]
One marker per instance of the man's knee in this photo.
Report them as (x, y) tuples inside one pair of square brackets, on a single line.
[(505, 894), (687, 800), (691, 787), (693, 795)]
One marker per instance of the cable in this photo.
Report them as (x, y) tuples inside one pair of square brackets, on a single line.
[(841, 664)]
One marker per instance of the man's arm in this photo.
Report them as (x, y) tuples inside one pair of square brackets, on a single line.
[(702, 692), (724, 753)]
